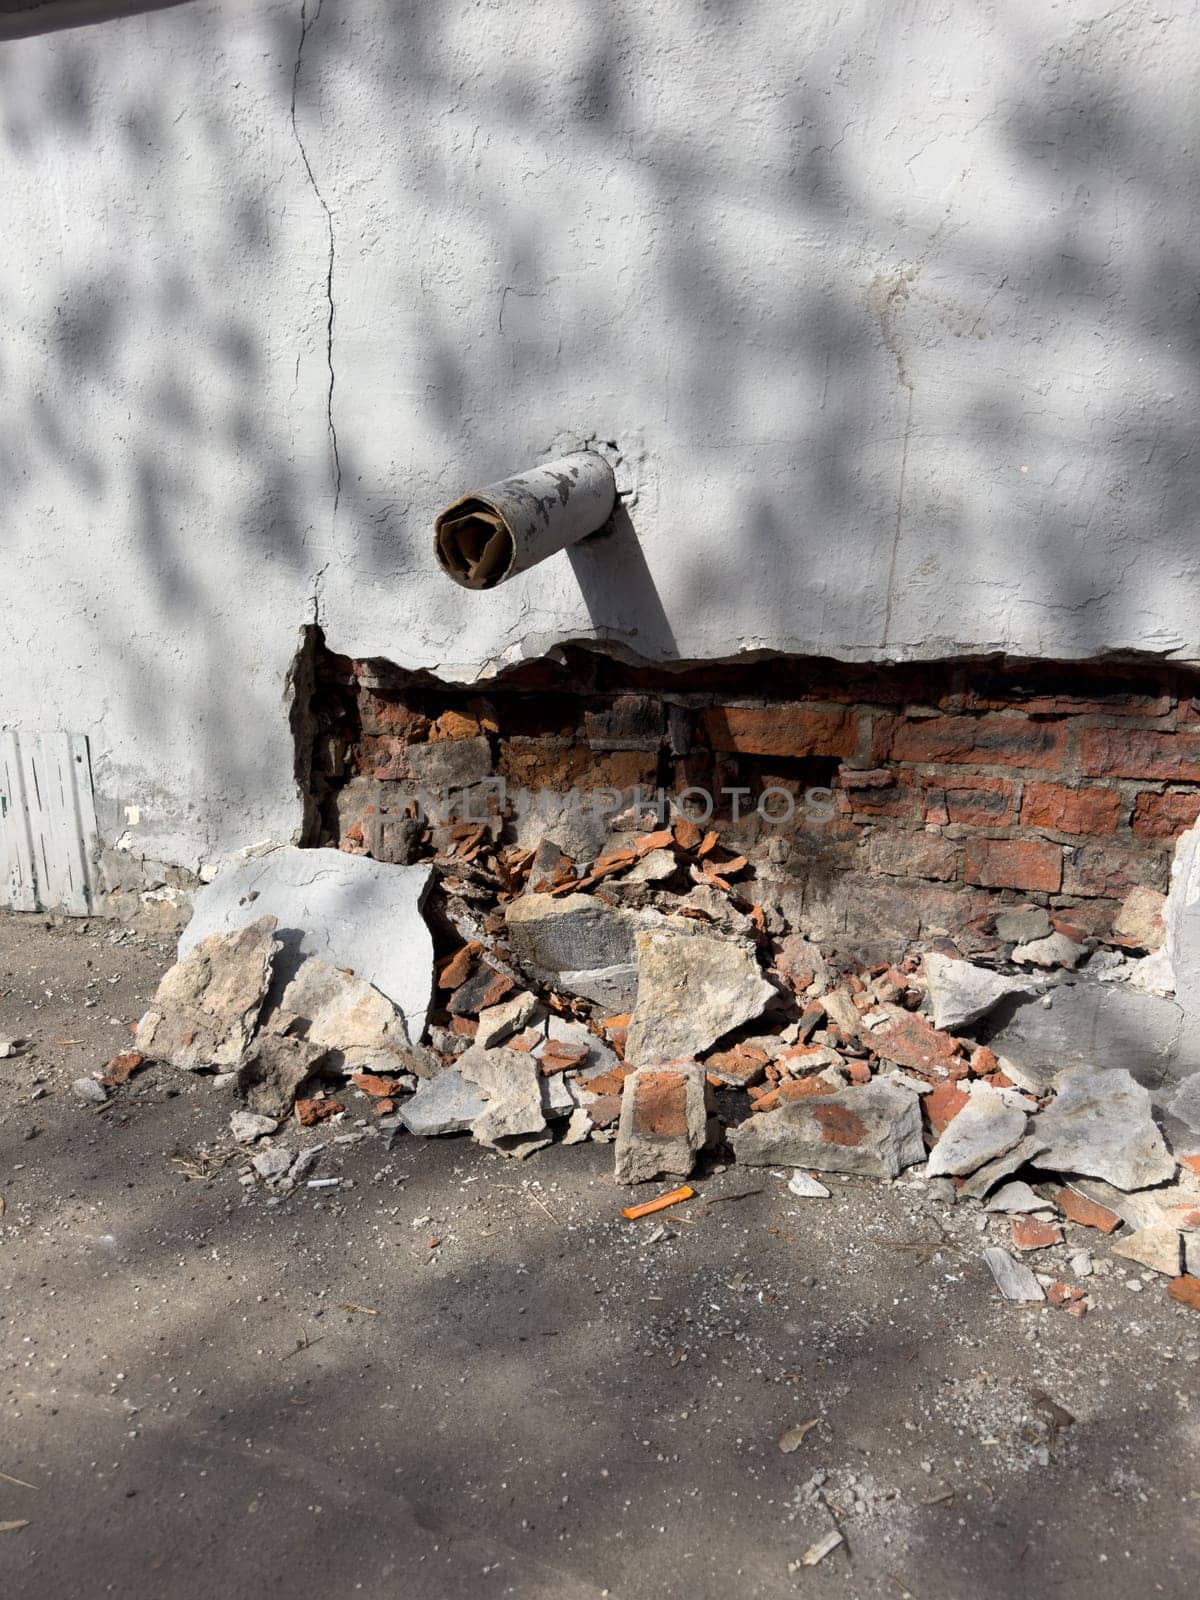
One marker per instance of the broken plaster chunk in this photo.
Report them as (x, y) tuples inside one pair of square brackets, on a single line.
[(692, 989), (1014, 1279), (498, 1023), (91, 1092), (872, 1128), (653, 867), (1185, 1102), (273, 1164), (445, 1104), (987, 1127), (512, 1085), (805, 1187), (1100, 1125), (961, 992), (573, 933), (247, 1126), (1016, 1199), (361, 1028), (207, 1005), (664, 1122), (1056, 950), (351, 911), (985, 1178), (1158, 1247)]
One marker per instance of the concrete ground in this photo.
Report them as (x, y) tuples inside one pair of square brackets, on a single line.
[(469, 1377)]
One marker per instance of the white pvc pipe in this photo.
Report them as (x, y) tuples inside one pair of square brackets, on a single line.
[(489, 536)]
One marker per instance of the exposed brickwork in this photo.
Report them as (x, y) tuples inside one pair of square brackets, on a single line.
[(780, 730), (990, 740), (977, 802), (1164, 816), (1087, 811), (947, 790), (1014, 864)]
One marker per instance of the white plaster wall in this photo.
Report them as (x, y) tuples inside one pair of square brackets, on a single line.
[(892, 310)]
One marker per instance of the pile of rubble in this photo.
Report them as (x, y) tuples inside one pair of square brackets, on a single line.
[(648, 999)]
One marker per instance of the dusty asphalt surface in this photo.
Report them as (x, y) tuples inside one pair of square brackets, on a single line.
[(543, 1404)]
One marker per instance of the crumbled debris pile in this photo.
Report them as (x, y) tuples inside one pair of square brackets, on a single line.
[(650, 999)]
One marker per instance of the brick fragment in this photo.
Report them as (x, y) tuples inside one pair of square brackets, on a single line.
[(1185, 1291), (942, 1105), (688, 834), (1030, 1234), (1080, 811), (1087, 1213), (310, 1112), (1014, 864), (910, 1041), (371, 1083), (121, 1068), (458, 969)]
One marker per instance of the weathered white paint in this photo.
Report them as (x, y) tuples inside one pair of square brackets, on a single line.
[(48, 839), (891, 311)]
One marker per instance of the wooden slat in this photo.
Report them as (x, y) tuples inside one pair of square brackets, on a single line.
[(49, 842)]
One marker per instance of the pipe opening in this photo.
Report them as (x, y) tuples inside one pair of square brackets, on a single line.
[(474, 546)]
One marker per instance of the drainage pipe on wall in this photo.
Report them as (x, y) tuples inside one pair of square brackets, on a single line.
[(490, 535)]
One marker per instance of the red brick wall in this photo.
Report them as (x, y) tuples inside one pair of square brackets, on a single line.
[(972, 784)]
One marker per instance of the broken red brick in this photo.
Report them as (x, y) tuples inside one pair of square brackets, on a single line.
[(121, 1068), (804, 1088), (942, 1105), (660, 1110), (1192, 1163), (1030, 1234), (1185, 1290), (687, 833), (743, 1066), (457, 970), (1087, 1213), (464, 1027), (310, 1112), (608, 1083), (371, 1083), (709, 843), (454, 725), (1065, 1295), (604, 1111), (911, 1041), (558, 1056), (859, 1072), (653, 841)]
